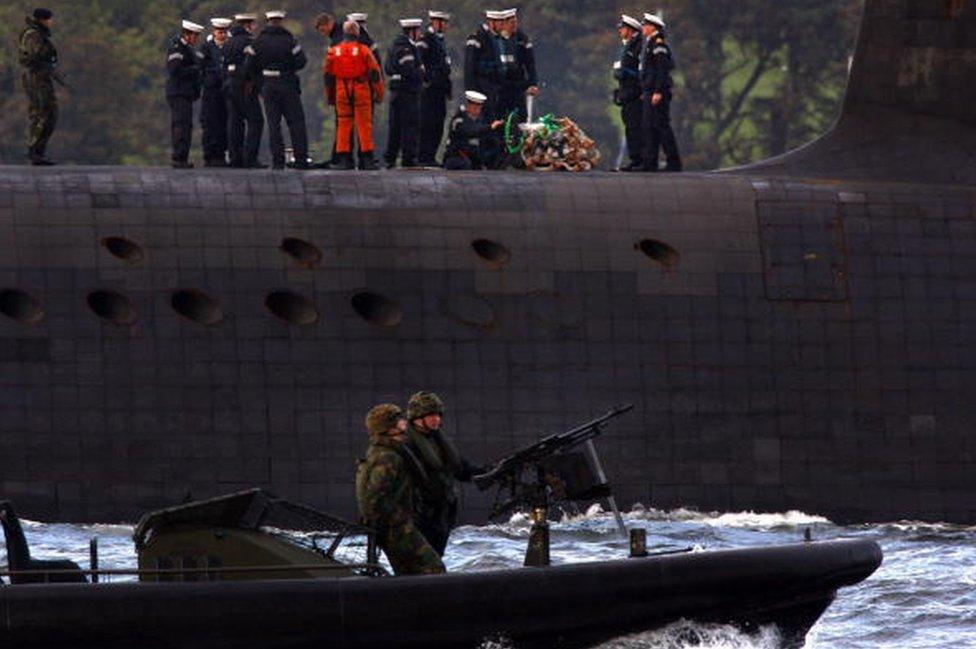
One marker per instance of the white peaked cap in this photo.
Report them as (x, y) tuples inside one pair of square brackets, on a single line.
[(495, 15), (630, 21), (438, 15), (192, 27), (245, 18), (654, 20), (410, 23), (276, 14), (221, 23), (358, 17), (475, 97), (509, 13)]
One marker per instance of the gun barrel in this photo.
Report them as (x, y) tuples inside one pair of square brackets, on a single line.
[(548, 447)]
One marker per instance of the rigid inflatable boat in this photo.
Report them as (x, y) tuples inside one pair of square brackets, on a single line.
[(222, 574)]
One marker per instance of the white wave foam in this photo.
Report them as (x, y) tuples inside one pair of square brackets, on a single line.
[(747, 519), (684, 635)]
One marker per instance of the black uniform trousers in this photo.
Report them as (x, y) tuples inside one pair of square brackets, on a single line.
[(213, 119), (511, 99), (245, 125), (282, 99), (433, 113), (404, 128), (181, 126), (658, 134), (632, 114)]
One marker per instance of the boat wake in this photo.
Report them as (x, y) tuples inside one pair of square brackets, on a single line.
[(682, 634)]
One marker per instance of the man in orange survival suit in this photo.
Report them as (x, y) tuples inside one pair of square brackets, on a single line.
[(353, 83)]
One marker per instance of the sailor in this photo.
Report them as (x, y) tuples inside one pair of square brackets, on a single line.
[(213, 107), (353, 84), (182, 89), (655, 69), (438, 90), (328, 27), (406, 75), (364, 36), (482, 72), (626, 70), (277, 57), (245, 118), (385, 490), (520, 78), (436, 501), (39, 58), (470, 134)]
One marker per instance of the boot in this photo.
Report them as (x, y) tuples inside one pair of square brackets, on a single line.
[(367, 162), (182, 164)]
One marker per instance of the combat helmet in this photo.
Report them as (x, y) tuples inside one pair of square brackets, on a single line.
[(382, 418), (423, 404)]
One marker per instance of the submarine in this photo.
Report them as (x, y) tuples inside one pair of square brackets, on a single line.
[(797, 334), (221, 573)]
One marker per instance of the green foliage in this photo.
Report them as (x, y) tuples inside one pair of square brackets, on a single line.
[(755, 77)]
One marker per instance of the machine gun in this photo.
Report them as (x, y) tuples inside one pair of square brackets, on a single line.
[(552, 470)]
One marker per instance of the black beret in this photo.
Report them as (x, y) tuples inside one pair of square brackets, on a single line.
[(43, 14)]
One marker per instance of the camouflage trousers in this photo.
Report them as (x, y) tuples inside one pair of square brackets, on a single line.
[(42, 112), (408, 551)]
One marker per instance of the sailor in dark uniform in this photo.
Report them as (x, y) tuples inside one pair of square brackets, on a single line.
[(277, 57), (405, 73), (213, 107), (656, 66), (470, 132), (521, 78), (626, 70), (244, 115), (482, 70), (438, 90), (364, 36), (182, 89)]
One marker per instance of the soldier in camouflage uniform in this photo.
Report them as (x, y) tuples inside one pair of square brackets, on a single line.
[(436, 503), (385, 491), (39, 59)]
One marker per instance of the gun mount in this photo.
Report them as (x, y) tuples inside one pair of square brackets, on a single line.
[(563, 467)]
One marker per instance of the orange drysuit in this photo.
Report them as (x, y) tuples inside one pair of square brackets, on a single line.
[(353, 83)]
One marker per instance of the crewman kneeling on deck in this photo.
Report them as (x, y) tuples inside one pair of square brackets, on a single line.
[(471, 136), (353, 84), (385, 488)]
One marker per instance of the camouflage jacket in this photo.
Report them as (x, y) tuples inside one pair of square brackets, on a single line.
[(385, 488), (443, 466), (36, 52)]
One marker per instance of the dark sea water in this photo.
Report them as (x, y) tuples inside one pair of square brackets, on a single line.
[(924, 595)]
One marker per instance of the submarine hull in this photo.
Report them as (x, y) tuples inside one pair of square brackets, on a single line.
[(564, 606)]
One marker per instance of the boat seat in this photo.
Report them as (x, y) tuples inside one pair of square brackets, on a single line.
[(19, 558)]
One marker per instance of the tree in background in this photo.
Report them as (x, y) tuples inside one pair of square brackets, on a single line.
[(755, 77)]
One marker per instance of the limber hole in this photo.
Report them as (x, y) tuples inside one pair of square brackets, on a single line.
[(659, 252), (112, 307), (377, 309), (20, 306), (293, 308), (306, 254), (197, 306), (491, 252), (471, 310), (124, 249)]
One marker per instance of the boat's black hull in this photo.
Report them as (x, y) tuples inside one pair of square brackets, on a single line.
[(566, 606)]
